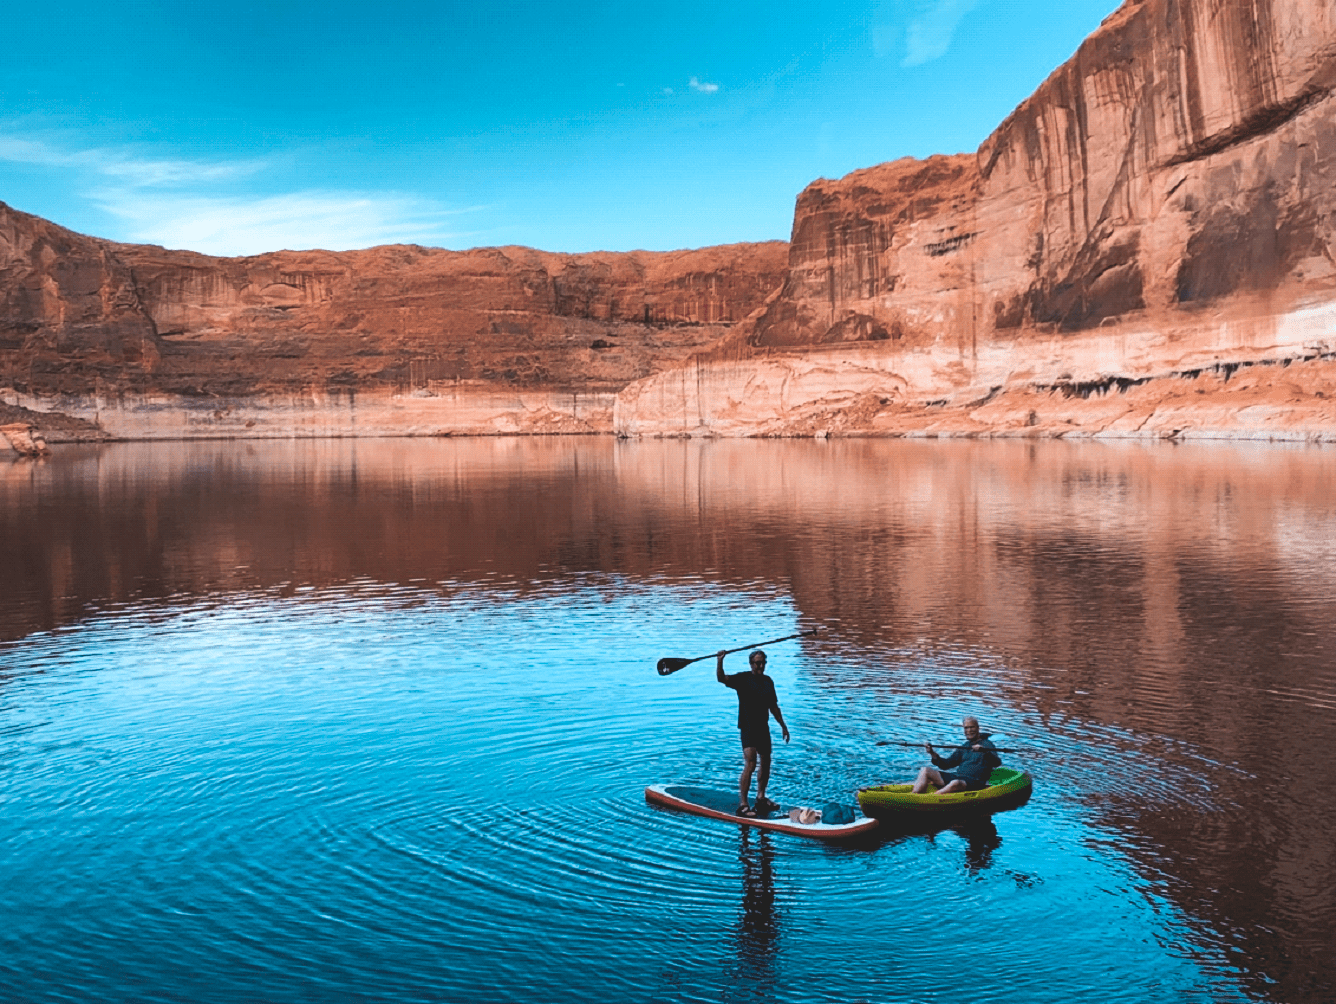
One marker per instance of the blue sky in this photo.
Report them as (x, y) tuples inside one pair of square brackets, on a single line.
[(251, 126)]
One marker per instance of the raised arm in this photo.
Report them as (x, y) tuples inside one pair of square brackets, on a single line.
[(719, 668)]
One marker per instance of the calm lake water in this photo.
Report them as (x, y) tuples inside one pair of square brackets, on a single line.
[(372, 720)]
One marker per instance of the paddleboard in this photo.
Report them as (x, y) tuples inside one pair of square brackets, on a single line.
[(721, 805)]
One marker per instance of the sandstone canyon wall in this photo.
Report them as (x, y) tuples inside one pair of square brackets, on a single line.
[(145, 342), (1144, 247)]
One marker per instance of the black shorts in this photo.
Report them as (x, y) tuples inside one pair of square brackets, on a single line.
[(757, 739), (948, 777)]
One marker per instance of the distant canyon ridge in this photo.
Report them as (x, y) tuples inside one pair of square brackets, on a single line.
[(1143, 248)]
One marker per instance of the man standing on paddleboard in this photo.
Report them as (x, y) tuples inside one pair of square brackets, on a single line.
[(756, 703)]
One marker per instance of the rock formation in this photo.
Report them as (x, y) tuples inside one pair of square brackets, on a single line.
[(24, 438), (410, 317), (1144, 247), (1160, 208), (67, 303), (390, 340)]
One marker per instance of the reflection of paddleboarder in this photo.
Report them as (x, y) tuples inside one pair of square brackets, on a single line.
[(756, 703), (757, 931)]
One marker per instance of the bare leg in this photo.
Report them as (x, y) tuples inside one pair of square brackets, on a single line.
[(956, 785), (927, 775), (744, 782), (762, 776)]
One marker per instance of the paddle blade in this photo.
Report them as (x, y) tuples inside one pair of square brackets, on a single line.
[(668, 665)]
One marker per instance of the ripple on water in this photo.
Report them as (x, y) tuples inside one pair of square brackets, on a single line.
[(301, 791)]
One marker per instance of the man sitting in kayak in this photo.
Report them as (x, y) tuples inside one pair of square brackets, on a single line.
[(756, 703), (973, 760)]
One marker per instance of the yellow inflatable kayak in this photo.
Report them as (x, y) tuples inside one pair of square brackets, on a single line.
[(1007, 788)]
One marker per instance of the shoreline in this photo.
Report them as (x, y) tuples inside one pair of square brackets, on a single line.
[(1291, 401), (1285, 437)]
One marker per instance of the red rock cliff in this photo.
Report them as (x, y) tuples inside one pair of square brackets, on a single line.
[(1126, 254), (1181, 162), (1162, 205), (66, 302), (79, 314)]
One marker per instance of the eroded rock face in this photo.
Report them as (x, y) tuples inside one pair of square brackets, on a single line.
[(1163, 203), (83, 316), (859, 393), (24, 439), (1163, 206), (67, 304), (1183, 158), (412, 318), (881, 236)]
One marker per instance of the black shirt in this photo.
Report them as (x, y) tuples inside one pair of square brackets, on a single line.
[(756, 695)]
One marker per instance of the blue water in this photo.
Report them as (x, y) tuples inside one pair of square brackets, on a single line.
[(402, 757)]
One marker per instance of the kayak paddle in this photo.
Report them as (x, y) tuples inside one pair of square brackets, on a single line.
[(950, 745), (669, 665)]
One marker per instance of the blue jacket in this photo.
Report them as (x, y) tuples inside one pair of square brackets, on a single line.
[(974, 765)]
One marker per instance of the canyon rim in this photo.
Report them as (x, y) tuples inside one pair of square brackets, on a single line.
[(1143, 248)]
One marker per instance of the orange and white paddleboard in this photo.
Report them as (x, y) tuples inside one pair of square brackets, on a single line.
[(722, 805)]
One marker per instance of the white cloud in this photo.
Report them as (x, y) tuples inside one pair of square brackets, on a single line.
[(335, 221), (929, 34), (124, 165), (696, 85), (175, 203), (26, 151)]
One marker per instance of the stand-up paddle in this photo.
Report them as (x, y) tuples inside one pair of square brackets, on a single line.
[(669, 665)]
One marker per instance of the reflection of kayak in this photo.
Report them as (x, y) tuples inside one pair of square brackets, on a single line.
[(720, 805), (1007, 788)]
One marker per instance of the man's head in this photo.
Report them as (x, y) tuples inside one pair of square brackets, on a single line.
[(971, 727), (757, 661)]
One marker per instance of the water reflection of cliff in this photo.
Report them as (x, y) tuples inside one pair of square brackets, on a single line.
[(976, 539), (1176, 591)]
